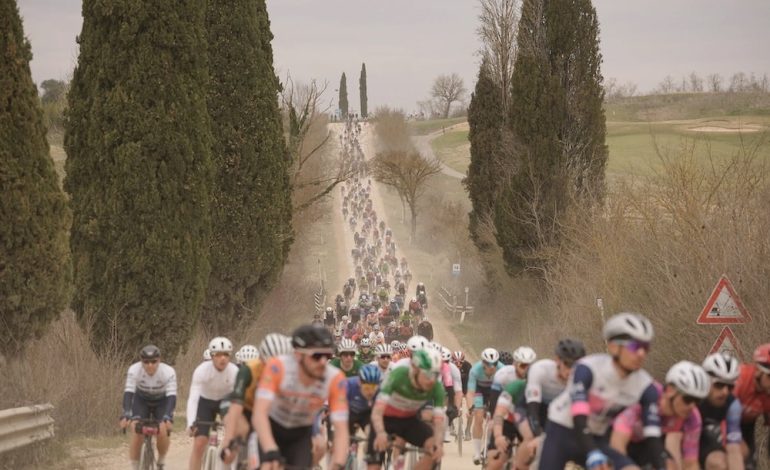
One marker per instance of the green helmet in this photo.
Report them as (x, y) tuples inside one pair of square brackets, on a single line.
[(427, 360)]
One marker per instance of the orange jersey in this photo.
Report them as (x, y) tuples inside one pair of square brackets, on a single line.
[(754, 402), (296, 405)]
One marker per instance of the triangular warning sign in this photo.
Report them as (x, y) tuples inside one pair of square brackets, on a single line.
[(723, 306), (727, 343)]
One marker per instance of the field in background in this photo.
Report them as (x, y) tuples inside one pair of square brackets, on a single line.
[(433, 125)]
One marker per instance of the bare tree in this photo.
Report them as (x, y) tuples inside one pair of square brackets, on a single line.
[(447, 89), (738, 82), (696, 83), (715, 82), (667, 86), (307, 137), (407, 172), (498, 29)]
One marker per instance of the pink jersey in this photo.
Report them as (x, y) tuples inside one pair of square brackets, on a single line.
[(446, 375)]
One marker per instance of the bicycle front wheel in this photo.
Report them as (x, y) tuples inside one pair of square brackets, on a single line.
[(147, 456), (459, 433), (210, 459)]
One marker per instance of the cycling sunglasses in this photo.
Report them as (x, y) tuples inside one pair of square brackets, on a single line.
[(691, 400), (317, 356), (349, 354), (150, 361), (722, 385), (634, 346), (489, 364), (384, 356)]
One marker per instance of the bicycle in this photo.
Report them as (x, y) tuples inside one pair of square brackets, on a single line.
[(486, 430), (211, 458), (148, 428), (409, 455), (459, 433), (352, 462)]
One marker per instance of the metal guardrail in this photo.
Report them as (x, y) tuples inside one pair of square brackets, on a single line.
[(20, 427), (449, 302)]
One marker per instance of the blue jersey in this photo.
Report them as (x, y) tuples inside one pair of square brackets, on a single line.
[(478, 379), (357, 402)]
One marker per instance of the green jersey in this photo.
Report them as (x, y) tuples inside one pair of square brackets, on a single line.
[(512, 394), (404, 400), (353, 372)]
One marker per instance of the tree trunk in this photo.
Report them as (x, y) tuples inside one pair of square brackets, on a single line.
[(447, 108), (413, 210)]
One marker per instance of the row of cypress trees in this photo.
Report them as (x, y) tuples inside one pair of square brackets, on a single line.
[(534, 161), (177, 174), (344, 106)]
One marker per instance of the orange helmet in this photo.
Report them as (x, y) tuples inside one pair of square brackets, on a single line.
[(762, 357)]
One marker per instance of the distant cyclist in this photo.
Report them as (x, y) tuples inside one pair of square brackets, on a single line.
[(721, 437), (346, 360), (383, 355), (150, 392)]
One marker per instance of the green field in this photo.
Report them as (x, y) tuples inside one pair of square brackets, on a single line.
[(433, 125)]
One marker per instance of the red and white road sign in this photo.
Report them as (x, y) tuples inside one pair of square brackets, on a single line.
[(728, 343), (723, 306)]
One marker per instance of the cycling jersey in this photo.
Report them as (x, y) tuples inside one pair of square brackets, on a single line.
[(543, 383), (365, 357), (478, 379), (457, 381), (353, 372), (465, 369), (357, 402), (246, 383), (754, 401), (504, 376), (294, 404), (211, 384), (714, 417), (512, 394), (600, 393), (629, 423), (151, 387), (385, 371), (404, 400)]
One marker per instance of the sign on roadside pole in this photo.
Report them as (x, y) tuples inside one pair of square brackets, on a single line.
[(724, 307), (456, 269), (727, 343)]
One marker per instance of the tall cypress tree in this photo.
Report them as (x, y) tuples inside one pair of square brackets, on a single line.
[(250, 195), (343, 100), (485, 119), (362, 92), (139, 172), (558, 127), (35, 268)]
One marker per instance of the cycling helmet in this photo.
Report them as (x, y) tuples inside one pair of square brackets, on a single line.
[(370, 374), (329, 310), (309, 336), (344, 318), (206, 354), (220, 344), (427, 360), (446, 354), (722, 367), (490, 355), (506, 358), (630, 325), (275, 344), (689, 378), (364, 342), (570, 350), (458, 356), (150, 352), (762, 357), (247, 353), (383, 350), (524, 355), (395, 344), (417, 342), (435, 346), (347, 345)]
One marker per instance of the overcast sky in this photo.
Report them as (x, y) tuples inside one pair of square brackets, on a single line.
[(407, 43)]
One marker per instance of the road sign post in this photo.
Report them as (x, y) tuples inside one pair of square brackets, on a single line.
[(724, 307)]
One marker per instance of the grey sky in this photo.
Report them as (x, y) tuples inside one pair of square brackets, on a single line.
[(407, 43)]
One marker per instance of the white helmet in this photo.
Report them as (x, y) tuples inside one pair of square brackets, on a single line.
[(524, 355), (364, 342), (446, 354), (435, 346), (383, 350), (632, 325), (689, 378), (344, 318), (275, 344), (417, 342), (220, 344), (247, 353), (395, 344), (490, 355), (206, 354), (347, 345), (722, 367)]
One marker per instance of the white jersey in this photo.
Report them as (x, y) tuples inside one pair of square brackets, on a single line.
[(543, 383), (384, 372), (504, 376), (457, 380), (211, 384), (151, 387), (597, 390), (403, 362)]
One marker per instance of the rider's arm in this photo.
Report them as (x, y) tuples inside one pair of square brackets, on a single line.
[(269, 385), (501, 411), (195, 394), (533, 395), (235, 399), (471, 386), (651, 426), (673, 445), (338, 415), (734, 436), (689, 445), (171, 388), (578, 390), (439, 413), (129, 391)]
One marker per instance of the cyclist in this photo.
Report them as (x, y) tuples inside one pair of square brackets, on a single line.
[(211, 382), (365, 353), (347, 361), (424, 328), (206, 354), (601, 386), (415, 343), (453, 385), (721, 437), (291, 392), (521, 359), (479, 387), (239, 405), (150, 392), (686, 385), (383, 354), (397, 410), (753, 390), (246, 353), (361, 391), (546, 379), (504, 427)]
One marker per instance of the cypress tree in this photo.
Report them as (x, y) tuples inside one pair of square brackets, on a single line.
[(35, 268), (343, 100), (558, 126), (250, 206), (485, 119), (362, 92), (139, 171)]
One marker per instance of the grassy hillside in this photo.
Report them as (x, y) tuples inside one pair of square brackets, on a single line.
[(433, 125)]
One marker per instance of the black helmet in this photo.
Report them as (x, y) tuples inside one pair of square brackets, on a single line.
[(310, 336), (506, 358), (570, 350), (150, 352)]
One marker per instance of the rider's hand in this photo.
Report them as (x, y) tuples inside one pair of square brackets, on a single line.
[(381, 442), (124, 422), (596, 460), (191, 431), (438, 452), (227, 455), (501, 443)]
